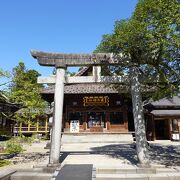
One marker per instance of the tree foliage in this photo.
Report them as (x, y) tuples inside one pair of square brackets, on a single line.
[(150, 38), (3, 74), (25, 90)]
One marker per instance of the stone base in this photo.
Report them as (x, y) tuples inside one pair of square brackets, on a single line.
[(143, 165), (38, 172)]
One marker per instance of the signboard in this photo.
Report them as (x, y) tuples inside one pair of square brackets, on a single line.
[(96, 101), (74, 126), (175, 136)]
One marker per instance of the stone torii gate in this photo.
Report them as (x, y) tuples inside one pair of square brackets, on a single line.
[(61, 61)]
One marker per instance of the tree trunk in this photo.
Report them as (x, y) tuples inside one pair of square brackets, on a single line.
[(139, 123)]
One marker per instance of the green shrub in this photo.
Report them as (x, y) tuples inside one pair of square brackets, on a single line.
[(2, 147), (4, 162), (13, 147)]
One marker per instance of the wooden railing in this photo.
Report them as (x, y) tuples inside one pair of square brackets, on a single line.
[(31, 129)]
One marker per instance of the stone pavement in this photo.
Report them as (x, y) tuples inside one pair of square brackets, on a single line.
[(113, 157), (119, 161), (165, 153)]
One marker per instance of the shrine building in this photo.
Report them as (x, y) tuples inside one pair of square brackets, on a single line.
[(93, 106)]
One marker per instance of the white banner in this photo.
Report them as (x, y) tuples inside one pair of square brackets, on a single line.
[(74, 126)]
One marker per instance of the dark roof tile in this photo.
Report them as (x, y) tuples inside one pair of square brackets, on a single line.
[(87, 88)]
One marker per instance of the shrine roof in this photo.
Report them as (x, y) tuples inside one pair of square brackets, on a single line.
[(85, 88), (82, 71), (166, 112), (168, 102)]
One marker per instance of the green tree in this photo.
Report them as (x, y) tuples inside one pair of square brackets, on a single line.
[(25, 90), (147, 47), (3, 74)]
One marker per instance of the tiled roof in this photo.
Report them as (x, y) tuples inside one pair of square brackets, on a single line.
[(166, 112), (86, 88), (82, 71), (174, 101)]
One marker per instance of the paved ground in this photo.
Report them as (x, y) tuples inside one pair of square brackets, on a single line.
[(75, 172), (103, 154)]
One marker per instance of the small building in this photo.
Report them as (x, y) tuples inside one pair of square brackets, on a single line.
[(7, 109), (163, 119), (38, 125)]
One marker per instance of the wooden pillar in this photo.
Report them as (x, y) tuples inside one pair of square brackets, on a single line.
[(170, 128), (20, 127), (153, 128), (125, 117), (108, 120), (85, 121), (46, 125), (37, 125), (57, 118), (29, 125)]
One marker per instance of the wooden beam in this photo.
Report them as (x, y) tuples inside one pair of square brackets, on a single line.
[(46, 80), (83, 79), (63, 60)]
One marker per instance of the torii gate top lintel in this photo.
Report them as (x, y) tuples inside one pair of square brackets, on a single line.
[(63, 60)]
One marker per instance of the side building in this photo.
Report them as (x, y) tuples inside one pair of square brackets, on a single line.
[(7, 110), (163, 119)]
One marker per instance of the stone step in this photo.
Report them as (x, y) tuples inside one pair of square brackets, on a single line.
[(164, 176), (31, 175), (39, 169), (96, 137), (70, 138), (5, 174), (110, 170), (109, 173)]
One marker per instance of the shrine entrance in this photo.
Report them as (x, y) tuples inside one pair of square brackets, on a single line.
[(96, 121)]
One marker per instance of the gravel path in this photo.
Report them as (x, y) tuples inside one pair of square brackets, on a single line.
[(34, 154)]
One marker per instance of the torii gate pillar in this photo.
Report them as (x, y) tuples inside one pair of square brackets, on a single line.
[(58, 114)]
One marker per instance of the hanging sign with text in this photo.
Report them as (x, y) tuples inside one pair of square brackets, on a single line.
[(96, 101)]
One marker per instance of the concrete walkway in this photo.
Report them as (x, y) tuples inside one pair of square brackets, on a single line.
[(164, 153), (119, 161), (109, 155), (90, 153)]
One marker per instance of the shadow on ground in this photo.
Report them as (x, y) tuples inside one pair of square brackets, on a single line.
[(168, 155), (124, 152)]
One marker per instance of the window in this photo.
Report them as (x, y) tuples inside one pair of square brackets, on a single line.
[(116, 118)]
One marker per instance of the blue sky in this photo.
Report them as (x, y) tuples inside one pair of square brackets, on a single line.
[(69, 26)]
